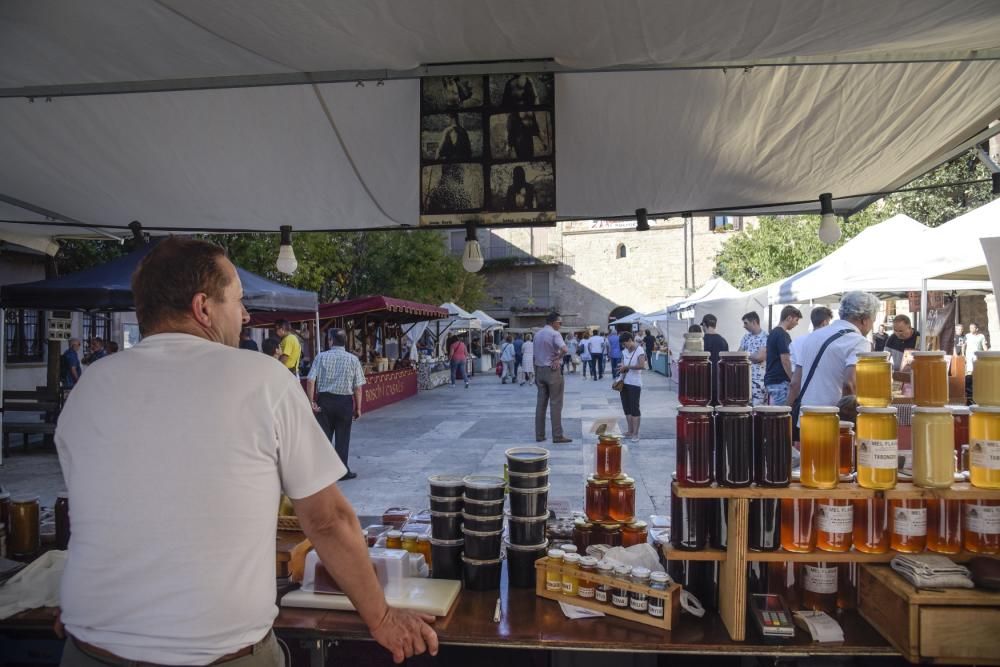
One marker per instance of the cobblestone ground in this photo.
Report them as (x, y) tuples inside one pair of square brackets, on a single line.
[(457, 430)]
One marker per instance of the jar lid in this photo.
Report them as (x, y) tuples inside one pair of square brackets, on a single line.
[(735, 354), (483, 482), (641, 572), (449, 499), (527, 454), (773, 409), (928, 353), (473, 501), (571, 558), (541, 546), (446, 480), (568, 548), (597, 481), (588, 561), (659, 577), (695, 353), (637, 525), (822, 409), (960, 410), (623, 481), (555, 553), (695, 409), (622, 570), (984, 409), (872, 355), (410, 536), (475, 562), (846, 424), (890, 410), (423, 538), (605, 565), (734, 409), (610, 525), (541, 489), (528, 519), (927, 410), (447, 543), (610, 437), (394, 533), (481, 533), (988, 354), (582, 523)]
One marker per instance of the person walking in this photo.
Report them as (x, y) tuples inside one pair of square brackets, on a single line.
[(974, 342), (69, 364), (614, 350), (457, 356), (334, 388), (597, 346), (507, 359), (754, 343), (633, 361), (549, 349), (585, 357), (574, 352), (778, 372), (528, 357), (567, 359), (291, 348), (649, 342), (518, 358)]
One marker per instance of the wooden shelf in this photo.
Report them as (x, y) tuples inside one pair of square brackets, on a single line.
[(846, 490), (819, 556), (673, 553)]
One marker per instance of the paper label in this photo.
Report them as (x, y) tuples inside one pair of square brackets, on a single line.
[(637, 601), (554, 585), (982, 519), (909, 522), (820, 579), (880, 454), (586, 590), (985, 454), (620, 598), (601, 594), (569, 587), (656, 607), (836, 518)]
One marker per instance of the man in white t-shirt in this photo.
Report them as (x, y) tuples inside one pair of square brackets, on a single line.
[(176, 490), (820, 316), (597, 346)]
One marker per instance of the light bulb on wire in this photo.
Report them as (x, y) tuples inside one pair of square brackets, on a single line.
[(829, 228), (286, 255), (472, 255)]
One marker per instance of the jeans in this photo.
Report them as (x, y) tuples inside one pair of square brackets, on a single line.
[(778, 392), (599, 358), (458, 367), (585, 364), (508, 372), (518, 358), (593, 366), (336, 415)]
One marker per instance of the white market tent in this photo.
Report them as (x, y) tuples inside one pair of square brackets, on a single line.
[(247, 114), (485, 321), (957, 251), (714, 288)]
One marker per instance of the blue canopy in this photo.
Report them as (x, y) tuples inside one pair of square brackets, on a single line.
[(108, 288)]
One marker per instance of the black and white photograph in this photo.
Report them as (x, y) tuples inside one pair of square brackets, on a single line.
[(522, 186), (521, 135), (451, 92), (512, 91), (453, 137), (451, 188)]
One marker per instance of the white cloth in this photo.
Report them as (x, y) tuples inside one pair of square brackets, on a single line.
[(973, 343), (636, 356), (35, 586), (175, 453), (528, 356), (596, 345), (826, 386)]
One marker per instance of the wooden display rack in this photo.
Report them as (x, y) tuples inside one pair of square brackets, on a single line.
[(733, 569), (671, 597)]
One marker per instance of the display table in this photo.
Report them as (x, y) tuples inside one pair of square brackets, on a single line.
[(381, 389), (661, 363), (433, 373)]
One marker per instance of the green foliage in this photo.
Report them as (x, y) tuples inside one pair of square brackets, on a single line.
[(780, 247), (76, 255)]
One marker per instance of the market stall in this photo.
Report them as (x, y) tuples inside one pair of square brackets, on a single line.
[(485, 363), (431, 341)]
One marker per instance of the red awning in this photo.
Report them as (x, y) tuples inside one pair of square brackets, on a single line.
[(375, 307)]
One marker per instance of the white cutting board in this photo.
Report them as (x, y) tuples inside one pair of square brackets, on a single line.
[(428, 596)]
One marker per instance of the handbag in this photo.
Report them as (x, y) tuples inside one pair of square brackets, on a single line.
[(797, 403), (619, 382)]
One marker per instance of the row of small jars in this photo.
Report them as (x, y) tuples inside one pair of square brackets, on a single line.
[(20, 525), (695, 378), (574, 576), (929, 373), (612, 533)]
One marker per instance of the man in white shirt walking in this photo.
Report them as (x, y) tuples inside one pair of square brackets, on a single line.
[(334, 388), (598, 347)]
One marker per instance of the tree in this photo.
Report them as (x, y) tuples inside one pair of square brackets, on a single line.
[(780, 247)]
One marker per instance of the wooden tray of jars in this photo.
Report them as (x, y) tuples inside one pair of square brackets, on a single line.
[(671, 597)]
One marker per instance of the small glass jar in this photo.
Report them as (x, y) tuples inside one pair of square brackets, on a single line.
[(834, 524), (874, 379), (658, 582), (878, 448), (394, 539), (583, 534), (570, 574), (638, 600), (908, 526), (603, 591), (608, 462), (930, 379), (944, 526), (62, 521), (695, 440), (982, 526), (424, 547), (961, 416), (933, 432), (597, 499), (846, 458), (409, 542), (694, 378), (734, 378), (797, 525), (772, 445), (634, 533), (609, 533), (986, 379), (984, 447), (819, 586), (25, 539), (619, 595), (819, 428), (622, 505), (733, 446), (553, 571), (586, 586), (871, 526)]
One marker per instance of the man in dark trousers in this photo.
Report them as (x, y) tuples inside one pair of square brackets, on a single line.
[(337, 375), (649, 342), (714, 344)]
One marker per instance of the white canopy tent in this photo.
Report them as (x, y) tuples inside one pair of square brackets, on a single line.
[(485, 321), (246, 114), (957, 252), (714, 288)]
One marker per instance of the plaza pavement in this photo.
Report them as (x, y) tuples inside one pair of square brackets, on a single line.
[(464, 431)]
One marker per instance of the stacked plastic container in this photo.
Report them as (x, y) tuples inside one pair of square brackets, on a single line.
[(528, 472), (482, 531), (447, 543)]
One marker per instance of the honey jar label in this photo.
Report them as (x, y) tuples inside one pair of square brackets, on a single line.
[(620, 598), (554, 585), (985, 454), (879, 454), (982, 519), (835, 518), (909, 522), (820, 579)]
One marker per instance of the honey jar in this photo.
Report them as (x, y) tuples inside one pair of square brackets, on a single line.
[(597, 499), (634, 533), (986, 379), (908, 526), (25, 538), (820, 446), (930, 379), (609, 457), (877, 448), (933, 447), (622, 501), (984, 447), (834, 524), (981, 534), (874, 379)]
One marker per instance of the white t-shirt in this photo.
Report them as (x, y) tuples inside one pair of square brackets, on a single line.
[(636, 356), (596, 345), (826, 387), (795, 351), (175, 453)]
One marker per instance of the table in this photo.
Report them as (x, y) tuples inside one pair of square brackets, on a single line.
[(661, 363)]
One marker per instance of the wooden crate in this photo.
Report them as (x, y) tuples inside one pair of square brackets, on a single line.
[(955, 626), (671, 597)]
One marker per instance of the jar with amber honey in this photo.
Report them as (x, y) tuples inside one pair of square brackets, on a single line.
[(874, 379), (24, 528), (986, 379), (622, 504), (583, 534), (908, 526), (981, 534), (930, 379), (933, 432), (597, 499), (819, 428), (984, 447), (846, 458), (834, 524), (609, 457), (871, 526), (797, 525), (609, 533), (877, 448), (819, 586), (944, 526), (634, 533)]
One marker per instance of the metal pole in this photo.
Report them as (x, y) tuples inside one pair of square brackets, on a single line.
[(923, 314)]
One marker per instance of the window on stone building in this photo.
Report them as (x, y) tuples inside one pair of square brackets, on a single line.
[(497, 300), (96, 325), (725, 223), (25, 336), (621, 252), (540, 284)]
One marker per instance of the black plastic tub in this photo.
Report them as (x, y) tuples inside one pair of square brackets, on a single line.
[(446, 558), (527, 459), (446, 525), (483, 507), (482, 487), (484, 524), (484, 545), (527, 530), (446, 486), (521, 563), (529, 502), (447, 504), (529, 480), (481, 575)]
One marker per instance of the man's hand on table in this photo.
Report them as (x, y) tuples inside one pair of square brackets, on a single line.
[(405, 634)]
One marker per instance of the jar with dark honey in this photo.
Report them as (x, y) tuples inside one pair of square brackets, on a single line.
[(5, 509), (583, 534), (694, 377), (734, 378), (765, 524), (597, 500), (718, 522), (689, 523), (733, 446), (609, 457), (622, 504), (609, 533), (695, 440), (62, 521), (772, 445), (634, 533), (908, 525)]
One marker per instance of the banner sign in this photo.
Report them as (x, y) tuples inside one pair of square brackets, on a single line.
[(381, 389)]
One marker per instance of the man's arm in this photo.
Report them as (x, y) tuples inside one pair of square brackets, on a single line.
[(795, 386), (331, 525), (357, 402), (850, 381), (311, 393), (786, 363)]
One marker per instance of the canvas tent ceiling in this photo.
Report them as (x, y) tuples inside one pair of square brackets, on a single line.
[(338, 156), (714, 288)]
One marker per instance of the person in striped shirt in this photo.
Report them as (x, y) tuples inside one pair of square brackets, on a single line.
[(334, 388)]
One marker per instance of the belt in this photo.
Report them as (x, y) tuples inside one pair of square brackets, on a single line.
[(110, 658)]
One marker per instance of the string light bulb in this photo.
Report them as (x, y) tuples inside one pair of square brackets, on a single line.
[(472, 255), (829, 229), (286, 254)]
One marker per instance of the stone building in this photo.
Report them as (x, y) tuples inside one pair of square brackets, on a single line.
[(595, 270)]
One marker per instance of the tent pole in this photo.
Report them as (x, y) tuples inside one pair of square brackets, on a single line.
[(923, 313)]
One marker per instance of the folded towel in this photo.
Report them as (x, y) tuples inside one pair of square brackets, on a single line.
[(35, 586), (931, 571)]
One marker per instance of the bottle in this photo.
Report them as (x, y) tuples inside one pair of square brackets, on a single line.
[(834, 524), (819, 428), (695, 439), (944, 526), (908, 525), (634, 533), (734, 378), (772, 445), (619, 595), (553, 571), (846, 457), (24, 527), (797, 532), (597, 499), (657, 583), (394, 539), (609, 457), (765, 524), (622, 500), (62, 521), (933, 447), (871, 526), (638, 600), (819, 586), (874, 379), (982, 526), (694, 378), (733, 446), (689, 523), (986, 379), (984, 447), (570, 574), (602, 593), (878, 448), (587, 587), (930, 379)]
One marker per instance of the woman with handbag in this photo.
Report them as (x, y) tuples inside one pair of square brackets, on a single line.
[(630, 375), (584, 351)]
